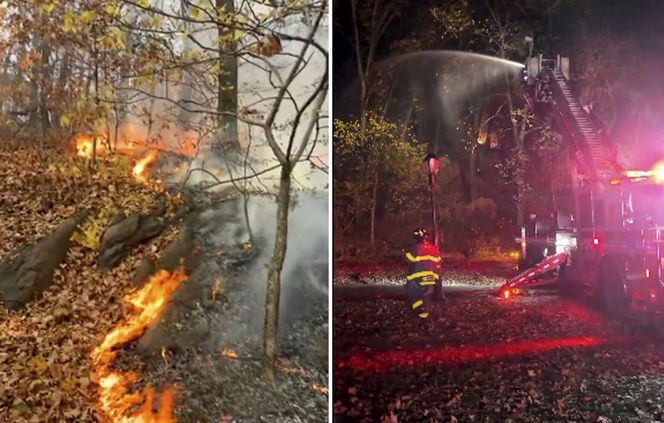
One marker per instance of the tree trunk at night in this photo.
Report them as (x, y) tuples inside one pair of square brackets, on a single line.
[(227, 85), (273, 291), (472, 173), (374, 195)]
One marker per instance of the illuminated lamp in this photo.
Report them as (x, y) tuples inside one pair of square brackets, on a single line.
[(595, 241), (432, 163)]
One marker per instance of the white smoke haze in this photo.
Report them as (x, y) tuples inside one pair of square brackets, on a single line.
[(171, 124), (306, 267), (305, 274)]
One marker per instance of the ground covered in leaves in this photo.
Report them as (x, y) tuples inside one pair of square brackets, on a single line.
[(45, 369), (535, 358), (46, 373)]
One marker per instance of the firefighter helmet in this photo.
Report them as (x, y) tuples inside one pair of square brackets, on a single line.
[(420, 234)]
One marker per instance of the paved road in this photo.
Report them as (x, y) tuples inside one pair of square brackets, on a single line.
[(535, 358)]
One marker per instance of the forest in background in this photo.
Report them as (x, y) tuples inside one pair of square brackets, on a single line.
[(502, 161)]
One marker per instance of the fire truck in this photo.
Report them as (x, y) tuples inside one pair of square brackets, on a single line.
[(605, 235)]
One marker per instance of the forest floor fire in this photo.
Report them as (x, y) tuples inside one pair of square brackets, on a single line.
[(72, 354), (144, 154), (46, 371), (146, 306)]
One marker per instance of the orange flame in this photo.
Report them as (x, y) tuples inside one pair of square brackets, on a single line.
[(83, 143), (228, 353), (319, 389), (115, 400), (150, 157)]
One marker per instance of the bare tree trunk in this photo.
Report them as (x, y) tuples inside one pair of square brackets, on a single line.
[(93, 163), (227, 85), (472, 173), (63, 78), (273, 292), (44, 75), (151, 111)]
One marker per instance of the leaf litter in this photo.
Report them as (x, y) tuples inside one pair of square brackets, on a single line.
[(45, 370), (541, 357)]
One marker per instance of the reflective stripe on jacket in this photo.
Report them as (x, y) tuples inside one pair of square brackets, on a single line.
[(423, 263)]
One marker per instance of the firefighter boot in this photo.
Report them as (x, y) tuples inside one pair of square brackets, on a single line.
[(417, 299)]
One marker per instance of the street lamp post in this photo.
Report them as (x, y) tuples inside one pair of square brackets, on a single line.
[(432, 164)]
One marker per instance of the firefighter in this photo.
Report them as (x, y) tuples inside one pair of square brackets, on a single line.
[(423, 272)]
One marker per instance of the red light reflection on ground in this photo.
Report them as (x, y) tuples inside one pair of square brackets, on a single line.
[(382, 361)]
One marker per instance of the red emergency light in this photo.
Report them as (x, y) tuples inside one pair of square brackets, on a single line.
[(595, 241), (507, 293)]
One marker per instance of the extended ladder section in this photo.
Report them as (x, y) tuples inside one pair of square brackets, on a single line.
[(597, 156), (529, 276)]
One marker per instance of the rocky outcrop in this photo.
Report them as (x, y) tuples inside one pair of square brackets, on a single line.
[(126, 232), (31, 272)]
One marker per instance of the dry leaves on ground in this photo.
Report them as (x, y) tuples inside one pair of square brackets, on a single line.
[(45, 370)]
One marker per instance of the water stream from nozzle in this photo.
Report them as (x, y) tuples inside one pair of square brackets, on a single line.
[(438, 84)]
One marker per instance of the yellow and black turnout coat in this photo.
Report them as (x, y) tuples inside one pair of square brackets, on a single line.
[(423, 264)]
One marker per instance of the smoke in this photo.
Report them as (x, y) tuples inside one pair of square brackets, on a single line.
[(161, 119), (304, 278)]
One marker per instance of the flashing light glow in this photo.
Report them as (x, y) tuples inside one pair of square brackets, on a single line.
[(383, 361), (637, 173), (506, 293), (647, 273), (658, 172), (596, 241)]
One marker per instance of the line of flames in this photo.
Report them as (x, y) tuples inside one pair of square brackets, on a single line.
[(115, 398), (84, 146), (139, 168)]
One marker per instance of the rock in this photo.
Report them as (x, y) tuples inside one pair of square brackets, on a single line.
[(144, 270), (126, 232), (117, 218), (32, 272)]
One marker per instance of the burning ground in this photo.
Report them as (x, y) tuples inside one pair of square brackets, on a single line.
[(108, 346), (540, 357)]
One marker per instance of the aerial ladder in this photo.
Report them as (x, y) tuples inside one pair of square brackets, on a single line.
[(547, 81)]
